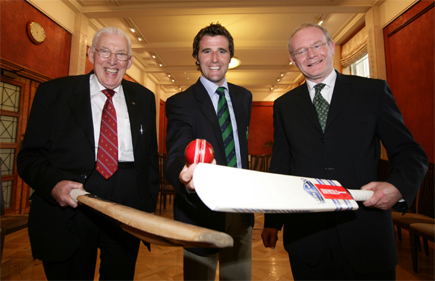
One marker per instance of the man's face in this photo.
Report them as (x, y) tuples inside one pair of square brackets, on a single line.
[(314, 65), (110, 71), (214, 58)]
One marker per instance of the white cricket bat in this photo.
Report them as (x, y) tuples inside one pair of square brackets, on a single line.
[(228, 189), (152, 228)]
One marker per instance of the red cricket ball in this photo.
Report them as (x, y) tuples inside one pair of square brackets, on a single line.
[(199, 151)]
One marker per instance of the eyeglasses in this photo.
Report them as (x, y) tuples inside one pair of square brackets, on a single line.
[(106, 53), (304, 51)]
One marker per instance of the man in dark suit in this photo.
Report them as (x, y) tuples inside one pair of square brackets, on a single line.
[(61, 151), (362, 113), (194, 114)]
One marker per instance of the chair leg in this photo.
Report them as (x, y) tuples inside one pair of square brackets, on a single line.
[(3, 242), (399, 233), (426, 246), (161, 202), (414, 241)]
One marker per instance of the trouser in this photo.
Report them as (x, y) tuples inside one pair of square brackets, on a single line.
[(234, 262), (118, 249), (333, 265)]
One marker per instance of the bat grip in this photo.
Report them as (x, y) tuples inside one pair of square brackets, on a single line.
[(360, 195), (76, 193)]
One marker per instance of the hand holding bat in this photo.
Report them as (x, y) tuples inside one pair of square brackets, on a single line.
[(154, 229)]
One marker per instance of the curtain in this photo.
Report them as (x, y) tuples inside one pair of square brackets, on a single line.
[(354, 49)]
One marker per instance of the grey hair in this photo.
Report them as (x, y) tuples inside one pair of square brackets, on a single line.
[(306, 25), (111, 30)]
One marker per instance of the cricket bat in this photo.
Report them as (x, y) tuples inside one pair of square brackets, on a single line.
[(152, 228), (228, 189)]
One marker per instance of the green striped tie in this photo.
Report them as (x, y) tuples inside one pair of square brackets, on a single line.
[(321, 105), (223, 114)]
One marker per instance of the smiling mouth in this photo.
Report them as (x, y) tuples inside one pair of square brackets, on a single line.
[(214, 68), (317, 62), (111, 71)]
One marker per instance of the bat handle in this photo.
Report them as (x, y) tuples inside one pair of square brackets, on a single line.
[(76, 193), (360, 195)]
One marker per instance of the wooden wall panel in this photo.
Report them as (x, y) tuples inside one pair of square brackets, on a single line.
[(261, 128), (50, 58), (409, 50)]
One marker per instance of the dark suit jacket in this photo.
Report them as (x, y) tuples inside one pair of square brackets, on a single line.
[(363, 112), (59, 145), (190, 116)]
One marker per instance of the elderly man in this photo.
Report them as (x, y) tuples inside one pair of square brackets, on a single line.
[(331, 128), (94, 132)]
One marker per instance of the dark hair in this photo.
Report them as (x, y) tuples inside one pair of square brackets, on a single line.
[(212, 30)]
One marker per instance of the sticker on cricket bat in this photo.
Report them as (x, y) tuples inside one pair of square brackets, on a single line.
[(228, 189)]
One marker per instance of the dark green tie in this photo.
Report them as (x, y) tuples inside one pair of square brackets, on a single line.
[(223, 114), (321, 105)]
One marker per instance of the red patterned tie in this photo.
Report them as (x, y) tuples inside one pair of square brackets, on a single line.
[(107, 159)]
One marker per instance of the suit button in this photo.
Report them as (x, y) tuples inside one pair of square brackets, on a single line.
[(329, 169), (84, 176), (322, 140)]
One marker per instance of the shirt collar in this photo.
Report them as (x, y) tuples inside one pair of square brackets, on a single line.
[(96, 86), (329, 81), (212, 87)]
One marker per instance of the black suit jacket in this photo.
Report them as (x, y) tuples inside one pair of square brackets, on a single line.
[(362, 114), (190, 116), (59, 145)]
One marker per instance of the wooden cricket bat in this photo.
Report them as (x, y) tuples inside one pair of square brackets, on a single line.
[(152, 228), (228, 189)]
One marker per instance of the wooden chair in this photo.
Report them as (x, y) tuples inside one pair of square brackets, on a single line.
[(260, 162), (422, 214), (10, 223), (417, 230), (424, 206), (166, 190)]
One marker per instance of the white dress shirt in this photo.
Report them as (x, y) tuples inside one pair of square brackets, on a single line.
[(211, 90), (98, 99), (327, 90)]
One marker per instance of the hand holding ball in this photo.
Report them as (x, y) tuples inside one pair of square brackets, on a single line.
[(199, 151)]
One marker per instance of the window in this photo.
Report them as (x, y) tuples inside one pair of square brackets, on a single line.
[(361, 67)]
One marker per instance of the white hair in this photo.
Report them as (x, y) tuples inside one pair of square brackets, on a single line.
[(111, 30)]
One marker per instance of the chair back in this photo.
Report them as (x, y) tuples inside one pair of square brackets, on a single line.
[(162, 158), (425, 197), (2, 203), (260, 162)]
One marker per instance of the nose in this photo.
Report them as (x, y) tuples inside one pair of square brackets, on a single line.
[(112, 58), (311, 53), (214, 57)]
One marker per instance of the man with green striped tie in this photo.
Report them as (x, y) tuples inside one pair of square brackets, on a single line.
[(219, 112)]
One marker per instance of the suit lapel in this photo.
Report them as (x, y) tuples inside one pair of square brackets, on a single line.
[(209, 111), (342, 92), (133, 112), (80, 106), (238, 106), (306, 106)]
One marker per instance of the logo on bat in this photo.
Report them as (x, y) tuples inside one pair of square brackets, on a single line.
[(312, 190)]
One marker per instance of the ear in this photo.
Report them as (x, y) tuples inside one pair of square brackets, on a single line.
[(293, 61), (333, 47), (130, 62), (91, 54)]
